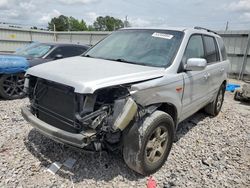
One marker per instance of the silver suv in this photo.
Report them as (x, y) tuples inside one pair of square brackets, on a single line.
[(129, 92)]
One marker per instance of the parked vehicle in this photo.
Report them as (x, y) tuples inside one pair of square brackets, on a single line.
[(129, 92), (243, 93), (13, 66)]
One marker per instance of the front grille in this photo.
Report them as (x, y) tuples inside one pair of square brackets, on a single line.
[(55, 104)]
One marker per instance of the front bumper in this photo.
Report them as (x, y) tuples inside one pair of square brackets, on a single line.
[(77, 140)]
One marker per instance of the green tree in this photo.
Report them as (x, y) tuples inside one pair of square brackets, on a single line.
[(107, 23), (76, 25), (91, 28), (83, 26), (64, 23), (61, 23)]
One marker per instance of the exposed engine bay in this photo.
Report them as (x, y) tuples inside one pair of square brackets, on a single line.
[(101, 116)]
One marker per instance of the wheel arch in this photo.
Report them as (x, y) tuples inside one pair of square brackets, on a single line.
[(170, 109), (224, 83)]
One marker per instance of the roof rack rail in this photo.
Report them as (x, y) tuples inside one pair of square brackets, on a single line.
[(202, 28)]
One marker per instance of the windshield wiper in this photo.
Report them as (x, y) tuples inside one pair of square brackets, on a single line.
[(131, 62), (88, 56), (126, 61), (119, 60)]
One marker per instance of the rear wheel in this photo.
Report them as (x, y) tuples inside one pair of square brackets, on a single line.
[(214, 107), (156, 138), (12, 85)]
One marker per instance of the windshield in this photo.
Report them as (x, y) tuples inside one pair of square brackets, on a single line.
[(144, 47), (37, 50)]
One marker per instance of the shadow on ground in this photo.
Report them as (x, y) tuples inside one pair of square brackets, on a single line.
[(97, 166), (185, 126)]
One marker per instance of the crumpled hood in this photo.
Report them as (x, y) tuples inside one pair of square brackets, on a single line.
[(12, 64), (87, 75)]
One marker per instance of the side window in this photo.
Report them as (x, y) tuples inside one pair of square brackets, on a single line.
[(194, 48), (222, 49), (79, 50), (212, 53), (57, 51), (67, 51)]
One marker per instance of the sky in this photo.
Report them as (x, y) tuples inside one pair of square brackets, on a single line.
[(212, 14)]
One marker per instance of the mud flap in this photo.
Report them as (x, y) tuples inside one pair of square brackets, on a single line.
[(132, 144), (132, 140)]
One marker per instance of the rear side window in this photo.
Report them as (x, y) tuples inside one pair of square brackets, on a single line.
[(194, 48), (212, 53), (222, 49), (67, 51)]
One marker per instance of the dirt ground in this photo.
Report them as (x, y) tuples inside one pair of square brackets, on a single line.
[(208, 152)]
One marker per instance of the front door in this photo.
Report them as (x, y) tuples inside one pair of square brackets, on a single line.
[(196, 82)]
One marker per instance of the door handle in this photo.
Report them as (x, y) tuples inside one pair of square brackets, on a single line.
[(222, 70), (206, 76)]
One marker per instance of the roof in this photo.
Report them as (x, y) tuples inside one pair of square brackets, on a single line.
[(62, 44), (157, 28), (183, 29)]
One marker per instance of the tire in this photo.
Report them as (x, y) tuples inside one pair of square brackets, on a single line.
[(11, 86), (237, 96), (214, 107), (156, 135)]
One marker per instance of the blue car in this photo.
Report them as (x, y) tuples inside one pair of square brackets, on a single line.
[(13, 66)]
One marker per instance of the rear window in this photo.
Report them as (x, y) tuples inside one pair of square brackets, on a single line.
[(35, 50), (222, 49), (212, 53)]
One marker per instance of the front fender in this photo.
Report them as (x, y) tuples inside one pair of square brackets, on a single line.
[(13, 64), (162, 90)]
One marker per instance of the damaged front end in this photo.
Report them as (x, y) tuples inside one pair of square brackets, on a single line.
[(97, 119)]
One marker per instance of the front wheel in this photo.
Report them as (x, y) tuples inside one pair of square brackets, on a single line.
[(12, 85), (156, 136)]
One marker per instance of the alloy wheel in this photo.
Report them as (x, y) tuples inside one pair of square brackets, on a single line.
[(219, 100), (156, 145), (13, 85)]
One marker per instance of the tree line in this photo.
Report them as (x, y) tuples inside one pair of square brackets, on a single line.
[(107, 23)]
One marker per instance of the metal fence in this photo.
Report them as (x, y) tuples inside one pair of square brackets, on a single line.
[(13, 38), (237, 44)]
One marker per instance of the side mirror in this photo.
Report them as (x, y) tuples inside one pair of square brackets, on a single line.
[(58, 56), (196, 64)]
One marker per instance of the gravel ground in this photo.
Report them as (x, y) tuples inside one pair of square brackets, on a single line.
[(208, 152)]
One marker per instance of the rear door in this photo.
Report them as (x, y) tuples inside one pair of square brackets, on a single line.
[(215, 67), (196, 82)]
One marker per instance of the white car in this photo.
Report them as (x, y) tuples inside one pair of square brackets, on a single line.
[(129, 92)]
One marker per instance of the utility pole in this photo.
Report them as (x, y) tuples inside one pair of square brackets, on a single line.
[(126, 22), (226, 26), (68, 24), (244, 62), (54, 32)]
